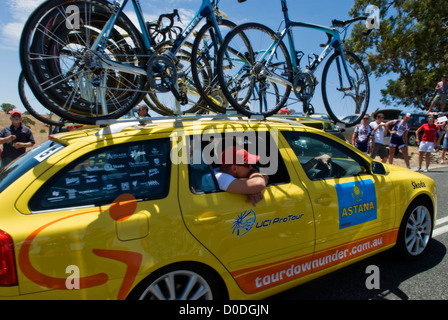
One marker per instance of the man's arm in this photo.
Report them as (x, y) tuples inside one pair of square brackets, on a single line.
[(417, 135), (19, 145), (354, 137), (7, 139), (252, 185), (325, 159), (439, 133)]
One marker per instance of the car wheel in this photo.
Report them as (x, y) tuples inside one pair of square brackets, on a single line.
[(412, 141), (415, 230), (178, 283)]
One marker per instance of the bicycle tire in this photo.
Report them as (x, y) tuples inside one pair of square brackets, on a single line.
[(78, 100), (28, 106), (208, 88), (165, 103), (260, 88), (345, 101)]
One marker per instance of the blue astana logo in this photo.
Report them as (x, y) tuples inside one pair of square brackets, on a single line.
[(357, 203)]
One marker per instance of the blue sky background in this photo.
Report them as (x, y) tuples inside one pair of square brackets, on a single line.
[(15, 12)]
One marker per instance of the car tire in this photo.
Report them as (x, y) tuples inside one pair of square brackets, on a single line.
[(415, 230), (180, 282), (412, 141)]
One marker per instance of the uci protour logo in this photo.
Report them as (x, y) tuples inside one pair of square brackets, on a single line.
[(247, 220), (244, 223)]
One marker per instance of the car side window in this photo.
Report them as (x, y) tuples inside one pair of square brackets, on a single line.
[(307, 146), (205, 153), (97, 178)]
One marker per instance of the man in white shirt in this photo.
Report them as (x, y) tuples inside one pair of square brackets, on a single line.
[(379, 129), (237, 174)]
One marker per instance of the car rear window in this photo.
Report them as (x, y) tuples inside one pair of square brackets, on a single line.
[(27, 161), (99, 177)]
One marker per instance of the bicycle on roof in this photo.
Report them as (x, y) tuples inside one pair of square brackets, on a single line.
[(258, 78), (85, 60)]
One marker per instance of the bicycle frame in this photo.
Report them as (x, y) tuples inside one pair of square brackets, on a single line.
[(205, 11), (334, 44)]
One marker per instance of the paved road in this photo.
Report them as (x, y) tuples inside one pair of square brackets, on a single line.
[(424, 279)]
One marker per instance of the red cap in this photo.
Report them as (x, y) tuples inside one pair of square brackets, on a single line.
[(237, 155), (13, 112)]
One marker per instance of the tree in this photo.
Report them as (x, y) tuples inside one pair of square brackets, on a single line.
[(411, 45), (7, 107)]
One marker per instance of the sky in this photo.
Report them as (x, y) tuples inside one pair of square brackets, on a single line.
[(15, 13)]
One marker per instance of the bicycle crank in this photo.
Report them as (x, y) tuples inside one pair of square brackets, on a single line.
[(304, 85), (162, 73)]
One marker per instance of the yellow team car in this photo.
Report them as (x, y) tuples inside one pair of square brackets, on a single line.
[(132, 210)]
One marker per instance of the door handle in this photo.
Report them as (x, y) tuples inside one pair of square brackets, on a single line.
[(324, 199), (207, 219)]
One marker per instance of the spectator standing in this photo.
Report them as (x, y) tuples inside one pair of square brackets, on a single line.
[(428, 142), (361, 135), (443, 127), (15, 138), (379, 130), (399, 130), (444, 145), (441, 95)]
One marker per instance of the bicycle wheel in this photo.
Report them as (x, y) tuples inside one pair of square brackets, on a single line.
[(339, 98), (68, 77), (166, 103), (254, 74), (33, 106), (205, 52)]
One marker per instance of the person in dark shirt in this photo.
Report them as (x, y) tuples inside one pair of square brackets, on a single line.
[(15, 138)]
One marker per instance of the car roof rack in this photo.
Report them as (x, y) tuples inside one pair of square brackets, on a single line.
[(117, 125)]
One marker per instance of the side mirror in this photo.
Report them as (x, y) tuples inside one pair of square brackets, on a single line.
[(378, 168)]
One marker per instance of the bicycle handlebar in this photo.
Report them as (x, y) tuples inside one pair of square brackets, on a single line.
[(339, 23), (169, 16)]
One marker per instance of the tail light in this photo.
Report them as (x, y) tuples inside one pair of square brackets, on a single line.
[(8, 274)]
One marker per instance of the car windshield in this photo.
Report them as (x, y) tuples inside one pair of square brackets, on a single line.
[(27, 161)]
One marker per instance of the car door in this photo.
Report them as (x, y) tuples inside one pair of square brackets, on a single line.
[(257, 244), (86, 210), (354, 209)]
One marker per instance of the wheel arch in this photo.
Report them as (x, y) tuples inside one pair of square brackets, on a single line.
[(200, 267), (427, 199)]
